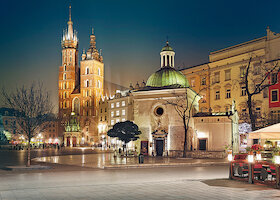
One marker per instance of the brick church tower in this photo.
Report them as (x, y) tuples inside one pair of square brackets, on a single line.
[(80, 89), (69, 71)]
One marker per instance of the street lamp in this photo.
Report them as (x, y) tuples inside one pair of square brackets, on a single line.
[(250, 166), (230, 158)]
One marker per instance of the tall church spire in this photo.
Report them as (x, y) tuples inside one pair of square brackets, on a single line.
[(70, 38)]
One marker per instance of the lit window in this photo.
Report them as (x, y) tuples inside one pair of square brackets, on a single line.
[(193, 82), (98, 84), (87, 70), (112, 105), (64, 67), (227, 75), (203, 81), (98, 71), (228, 93), (65, 95), (274, 95), (117, 120), (217, 77), (112, 122), (123, 112), (242, 72), (112, 113), (123, 103), (117, 113), (87, 83), (123, 119), (118, 104)]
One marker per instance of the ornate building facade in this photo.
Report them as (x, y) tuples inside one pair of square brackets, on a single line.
[(222, 79), (80, 87)]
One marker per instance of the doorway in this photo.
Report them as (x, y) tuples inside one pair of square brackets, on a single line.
[(74, 141), (202, 144), (159, 147), (68, 141)]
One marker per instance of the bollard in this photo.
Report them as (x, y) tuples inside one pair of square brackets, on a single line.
[(277, 176), (230, 171)]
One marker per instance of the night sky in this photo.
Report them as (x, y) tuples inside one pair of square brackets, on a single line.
[(130, 34)]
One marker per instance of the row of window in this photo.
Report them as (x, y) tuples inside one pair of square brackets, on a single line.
[(87, 71), (65, 85), (117, 104), (87, 83), (243, 93), (117, 113), (105, 118), (116, 121)]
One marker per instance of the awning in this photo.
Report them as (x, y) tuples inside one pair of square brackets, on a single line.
[(270, 132)]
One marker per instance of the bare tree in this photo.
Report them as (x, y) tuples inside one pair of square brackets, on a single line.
[(32, 109), (184, 107), (256, 86)]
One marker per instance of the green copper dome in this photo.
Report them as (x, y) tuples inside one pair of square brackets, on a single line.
[(167, 47), (167, 76)]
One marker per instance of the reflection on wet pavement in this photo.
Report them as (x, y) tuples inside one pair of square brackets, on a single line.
[(99, 160)]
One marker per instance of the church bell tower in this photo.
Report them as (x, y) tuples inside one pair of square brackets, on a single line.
[(69, 71)]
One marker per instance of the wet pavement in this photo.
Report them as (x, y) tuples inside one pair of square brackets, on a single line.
[(18, 157), (157, 183), (102, 160)]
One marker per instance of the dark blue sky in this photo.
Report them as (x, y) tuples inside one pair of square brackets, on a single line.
[(130, 34)]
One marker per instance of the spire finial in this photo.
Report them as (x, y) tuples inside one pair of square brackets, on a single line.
[(70, 12), (92, 31), (167, 40)]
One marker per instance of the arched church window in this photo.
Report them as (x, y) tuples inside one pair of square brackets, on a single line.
[(98, 71), (76, 106), (64, 85), (65, 95), (65, 104), (98, 83), (64, 76), (64, 67), (87, 83), (87, 70)]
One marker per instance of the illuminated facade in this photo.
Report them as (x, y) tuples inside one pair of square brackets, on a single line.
[(162, 128), (80, 87), (223, 77)]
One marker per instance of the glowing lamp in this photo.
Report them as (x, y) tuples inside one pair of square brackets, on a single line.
[(258, 156), (229, 157), (250, 158), (277, 159)]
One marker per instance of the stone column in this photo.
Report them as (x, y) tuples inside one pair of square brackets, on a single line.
[(173, 64), (71, 141)]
